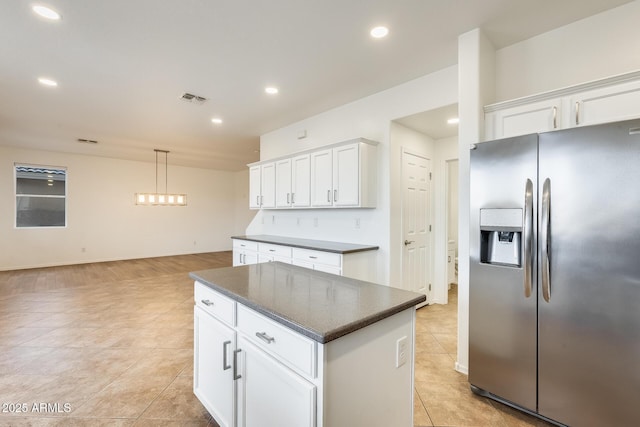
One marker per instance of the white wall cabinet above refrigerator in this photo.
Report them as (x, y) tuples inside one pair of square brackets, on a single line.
[(602, 101), (338, 176)]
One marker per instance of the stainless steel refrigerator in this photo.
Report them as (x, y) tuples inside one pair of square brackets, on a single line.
[(554, 290)]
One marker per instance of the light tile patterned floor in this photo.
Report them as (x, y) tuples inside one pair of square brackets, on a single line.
[(111, 344), (443, 396)]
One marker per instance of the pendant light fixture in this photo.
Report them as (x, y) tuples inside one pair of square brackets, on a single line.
[(161, 199)]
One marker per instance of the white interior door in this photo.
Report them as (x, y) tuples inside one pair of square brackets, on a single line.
[(416, 199)]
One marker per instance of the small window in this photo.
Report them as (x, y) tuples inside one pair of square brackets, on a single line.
[(41, 196)]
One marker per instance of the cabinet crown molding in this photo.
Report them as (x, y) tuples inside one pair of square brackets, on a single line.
[(569, 90), (312, 150)]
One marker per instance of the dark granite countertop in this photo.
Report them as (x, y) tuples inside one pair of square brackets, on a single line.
[(318, 245), (319, 305)]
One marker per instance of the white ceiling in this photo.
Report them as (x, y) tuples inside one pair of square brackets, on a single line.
[(122, 64), (433, 123)]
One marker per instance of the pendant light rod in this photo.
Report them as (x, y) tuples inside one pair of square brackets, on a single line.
[(166, 169)]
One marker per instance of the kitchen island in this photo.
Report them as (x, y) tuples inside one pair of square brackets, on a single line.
[(281, 345)]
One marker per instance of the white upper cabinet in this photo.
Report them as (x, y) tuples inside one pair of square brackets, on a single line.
[(346, 175), (341, 175), (262, 186), (268, 185), (301, 181), (605, 105), (540, 116), (283, 183), (293, 182), (321, 178), (254, 187), (608, 100)]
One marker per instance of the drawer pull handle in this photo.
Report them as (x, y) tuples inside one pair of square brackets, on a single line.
[(236, 376), (313, 257), (272, 250), (207, 302), (264, 337), (224, 356)]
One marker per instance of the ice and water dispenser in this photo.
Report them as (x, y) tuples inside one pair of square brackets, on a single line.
[(500, 237)]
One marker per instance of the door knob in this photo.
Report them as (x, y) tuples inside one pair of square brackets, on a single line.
[(408, 242)]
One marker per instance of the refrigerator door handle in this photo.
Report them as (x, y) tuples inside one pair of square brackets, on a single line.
[(546, 222), (528, 233)]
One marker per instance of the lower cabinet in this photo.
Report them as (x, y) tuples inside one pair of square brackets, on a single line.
[(245, 252), (213, 380), (270, 394), (357, 265)]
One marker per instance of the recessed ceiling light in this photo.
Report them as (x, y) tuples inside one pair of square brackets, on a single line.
[(47, 82), (46, 12), (216, 120), (379, 32), (453, 121), (271, 90)]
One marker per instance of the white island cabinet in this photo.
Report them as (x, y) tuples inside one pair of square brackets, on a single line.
[(276, 345)]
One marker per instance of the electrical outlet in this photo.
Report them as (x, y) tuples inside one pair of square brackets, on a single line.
[(357, 222), (401, 351), (315, 222), (298, 222)]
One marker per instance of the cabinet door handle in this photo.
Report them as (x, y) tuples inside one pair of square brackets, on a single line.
[(329, 196), (555, 117), (224, 355), (288, 198), (313, 257), (335, 195), (449, 258), (207, 302), (293, 198), (261, 200), (235, 364), (577, 112), (264, 337), (272, 250), (258, 200)]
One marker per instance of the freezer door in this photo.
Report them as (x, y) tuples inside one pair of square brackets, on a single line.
[(502, 304), (589, 294)]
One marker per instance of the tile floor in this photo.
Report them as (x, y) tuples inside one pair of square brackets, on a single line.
[(111, 344)]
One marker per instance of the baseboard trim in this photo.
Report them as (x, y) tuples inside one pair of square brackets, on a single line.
[(463, 369)]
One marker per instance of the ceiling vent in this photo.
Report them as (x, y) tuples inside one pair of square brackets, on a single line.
[(87, 141), (195, 99)]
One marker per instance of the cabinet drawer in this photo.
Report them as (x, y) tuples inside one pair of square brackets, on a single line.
[(291, 347), (245, 244), (277, 250), (215, 303), (318, 257)]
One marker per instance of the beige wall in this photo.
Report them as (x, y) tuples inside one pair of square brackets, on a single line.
[(593, 48), (102, 217)]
